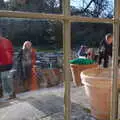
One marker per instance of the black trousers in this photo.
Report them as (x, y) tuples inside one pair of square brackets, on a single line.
[(104, 57)]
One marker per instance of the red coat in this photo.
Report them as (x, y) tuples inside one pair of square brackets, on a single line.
[(6, 54)]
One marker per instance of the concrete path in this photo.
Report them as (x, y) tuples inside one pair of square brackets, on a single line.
[(45, 104)]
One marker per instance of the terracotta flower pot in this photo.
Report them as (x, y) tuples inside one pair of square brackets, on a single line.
[(77, 69), (34, 84), (97, 83), (50, 77)]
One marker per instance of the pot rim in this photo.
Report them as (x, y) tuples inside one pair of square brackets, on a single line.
[(95, 81), (99, 70)]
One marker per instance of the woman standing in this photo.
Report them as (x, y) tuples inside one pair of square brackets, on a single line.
[(27, 58)]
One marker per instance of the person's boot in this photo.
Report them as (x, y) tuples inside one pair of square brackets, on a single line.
[(26, 85), (1, 92), (12, 96)]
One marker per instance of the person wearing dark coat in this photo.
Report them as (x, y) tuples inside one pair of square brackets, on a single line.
[(105, 50)]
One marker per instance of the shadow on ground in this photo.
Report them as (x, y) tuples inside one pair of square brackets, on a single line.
[(41, 107)]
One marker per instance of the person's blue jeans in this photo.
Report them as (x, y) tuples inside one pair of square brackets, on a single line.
[(7, 83)]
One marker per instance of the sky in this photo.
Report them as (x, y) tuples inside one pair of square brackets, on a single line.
[(78, 3), (6, 0)]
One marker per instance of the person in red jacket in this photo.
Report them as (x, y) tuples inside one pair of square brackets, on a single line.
[(6, 62)]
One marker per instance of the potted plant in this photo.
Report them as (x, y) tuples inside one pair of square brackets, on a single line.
[(78, 65), (98, 84)]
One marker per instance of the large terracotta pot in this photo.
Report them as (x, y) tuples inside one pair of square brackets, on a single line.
[(97, 83), (77, 69)]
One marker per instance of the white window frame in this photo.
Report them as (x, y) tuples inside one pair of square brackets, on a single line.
[(66, 18)]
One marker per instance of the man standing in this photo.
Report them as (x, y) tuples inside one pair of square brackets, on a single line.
[(6, 62), (105, 50)]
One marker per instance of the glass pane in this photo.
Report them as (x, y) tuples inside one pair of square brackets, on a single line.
[(88, 53), (46, 6), (37, 74), (89, 34), (38, 69), (92, 8)]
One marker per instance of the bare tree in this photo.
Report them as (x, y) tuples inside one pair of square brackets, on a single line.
[(95, 8)]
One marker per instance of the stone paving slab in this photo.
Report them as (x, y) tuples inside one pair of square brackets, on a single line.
[(46, 104)]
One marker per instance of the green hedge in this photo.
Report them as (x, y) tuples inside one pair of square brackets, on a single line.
[(81, 61)]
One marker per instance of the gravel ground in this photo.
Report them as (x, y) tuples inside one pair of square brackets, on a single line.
[(45, 104)]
